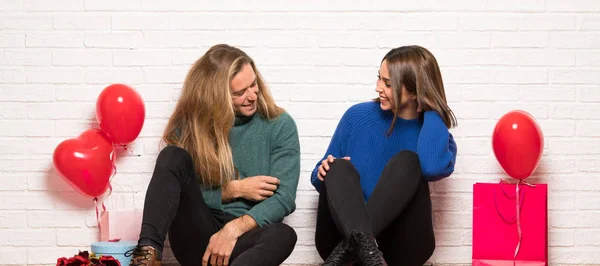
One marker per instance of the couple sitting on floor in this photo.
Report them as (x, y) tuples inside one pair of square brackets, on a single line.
[(229, 172)]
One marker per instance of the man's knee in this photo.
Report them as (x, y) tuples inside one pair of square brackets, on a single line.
[(285, 236), (288, 233), (173, 156)]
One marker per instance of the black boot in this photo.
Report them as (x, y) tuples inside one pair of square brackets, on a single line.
[(366, 250), (341, 254)]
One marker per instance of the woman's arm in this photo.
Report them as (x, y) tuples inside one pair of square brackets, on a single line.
[(436, 148), (337, 147)]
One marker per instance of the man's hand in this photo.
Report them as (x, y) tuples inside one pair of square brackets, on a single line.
[(257, 188), (221, 244), (219, 248)]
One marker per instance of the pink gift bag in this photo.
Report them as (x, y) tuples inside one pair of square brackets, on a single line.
[(124, 225), (496, 238)]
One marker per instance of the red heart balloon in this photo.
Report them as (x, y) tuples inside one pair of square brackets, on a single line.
[(518, 144), (86, 162), (120, 111)]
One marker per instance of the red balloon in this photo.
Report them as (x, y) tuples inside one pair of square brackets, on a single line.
[(120, 111), (86, 162), (518, 143)]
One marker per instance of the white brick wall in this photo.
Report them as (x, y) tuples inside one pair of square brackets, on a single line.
[(538, 55)]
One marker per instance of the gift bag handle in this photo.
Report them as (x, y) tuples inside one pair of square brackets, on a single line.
[(522, 197), (518, 206)]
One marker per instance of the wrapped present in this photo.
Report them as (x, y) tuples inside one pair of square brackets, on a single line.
[(503, 235), (122, 225), (117, 249)]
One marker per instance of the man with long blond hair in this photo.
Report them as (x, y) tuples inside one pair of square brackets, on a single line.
[(229, 173)]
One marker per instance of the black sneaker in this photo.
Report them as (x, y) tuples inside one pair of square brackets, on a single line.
[(366, 250), (341, 254)]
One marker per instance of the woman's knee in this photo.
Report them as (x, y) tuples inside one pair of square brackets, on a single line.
[(404, 164), (406, 158), (341, 168)]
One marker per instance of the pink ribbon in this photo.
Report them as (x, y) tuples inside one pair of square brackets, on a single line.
[(110, 189), (127, 149), (102, 203), (519, 218), (519, 205)]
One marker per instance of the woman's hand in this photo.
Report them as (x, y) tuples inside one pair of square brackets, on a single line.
[(325, 166)]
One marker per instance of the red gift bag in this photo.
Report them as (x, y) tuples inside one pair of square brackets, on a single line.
[(495, 224)]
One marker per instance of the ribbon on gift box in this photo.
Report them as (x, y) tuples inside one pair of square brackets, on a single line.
[(102, 202), (519, 205)]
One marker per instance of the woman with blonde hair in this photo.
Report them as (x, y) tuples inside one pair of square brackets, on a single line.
[(374, 203), (229, 173)]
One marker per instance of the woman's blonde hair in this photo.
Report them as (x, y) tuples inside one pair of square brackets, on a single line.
[(204, 114), (415, 68)]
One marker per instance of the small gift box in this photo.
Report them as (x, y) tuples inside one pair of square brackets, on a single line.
[(116, 249)]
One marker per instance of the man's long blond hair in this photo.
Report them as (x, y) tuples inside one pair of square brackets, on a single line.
[(204, 114)]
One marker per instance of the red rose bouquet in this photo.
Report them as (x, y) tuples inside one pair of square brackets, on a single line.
[(83, 258)]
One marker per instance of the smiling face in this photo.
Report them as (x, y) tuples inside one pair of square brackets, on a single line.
[(244, 91), (387, 98)]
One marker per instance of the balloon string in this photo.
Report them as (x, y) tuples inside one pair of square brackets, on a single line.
[(110, 189), (128, 149), (97, 213), (114, 168), (518, 226), (519, 232)]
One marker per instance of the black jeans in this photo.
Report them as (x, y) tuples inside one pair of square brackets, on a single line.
[(398, 212), (174, 204)]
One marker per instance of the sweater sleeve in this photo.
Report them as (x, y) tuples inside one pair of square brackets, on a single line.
[(436, 148), (337, 146), (285, 165), (212, 197)]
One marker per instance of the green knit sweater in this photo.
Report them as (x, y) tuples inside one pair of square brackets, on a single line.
[(263, 147)]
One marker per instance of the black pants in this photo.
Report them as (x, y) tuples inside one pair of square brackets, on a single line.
[(174, 204), (398, 212)]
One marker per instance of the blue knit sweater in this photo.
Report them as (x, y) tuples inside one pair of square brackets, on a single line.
[(362, 135)]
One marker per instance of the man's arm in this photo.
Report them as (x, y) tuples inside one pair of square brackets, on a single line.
[(284, 165), (231, 191), (240, 225)]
